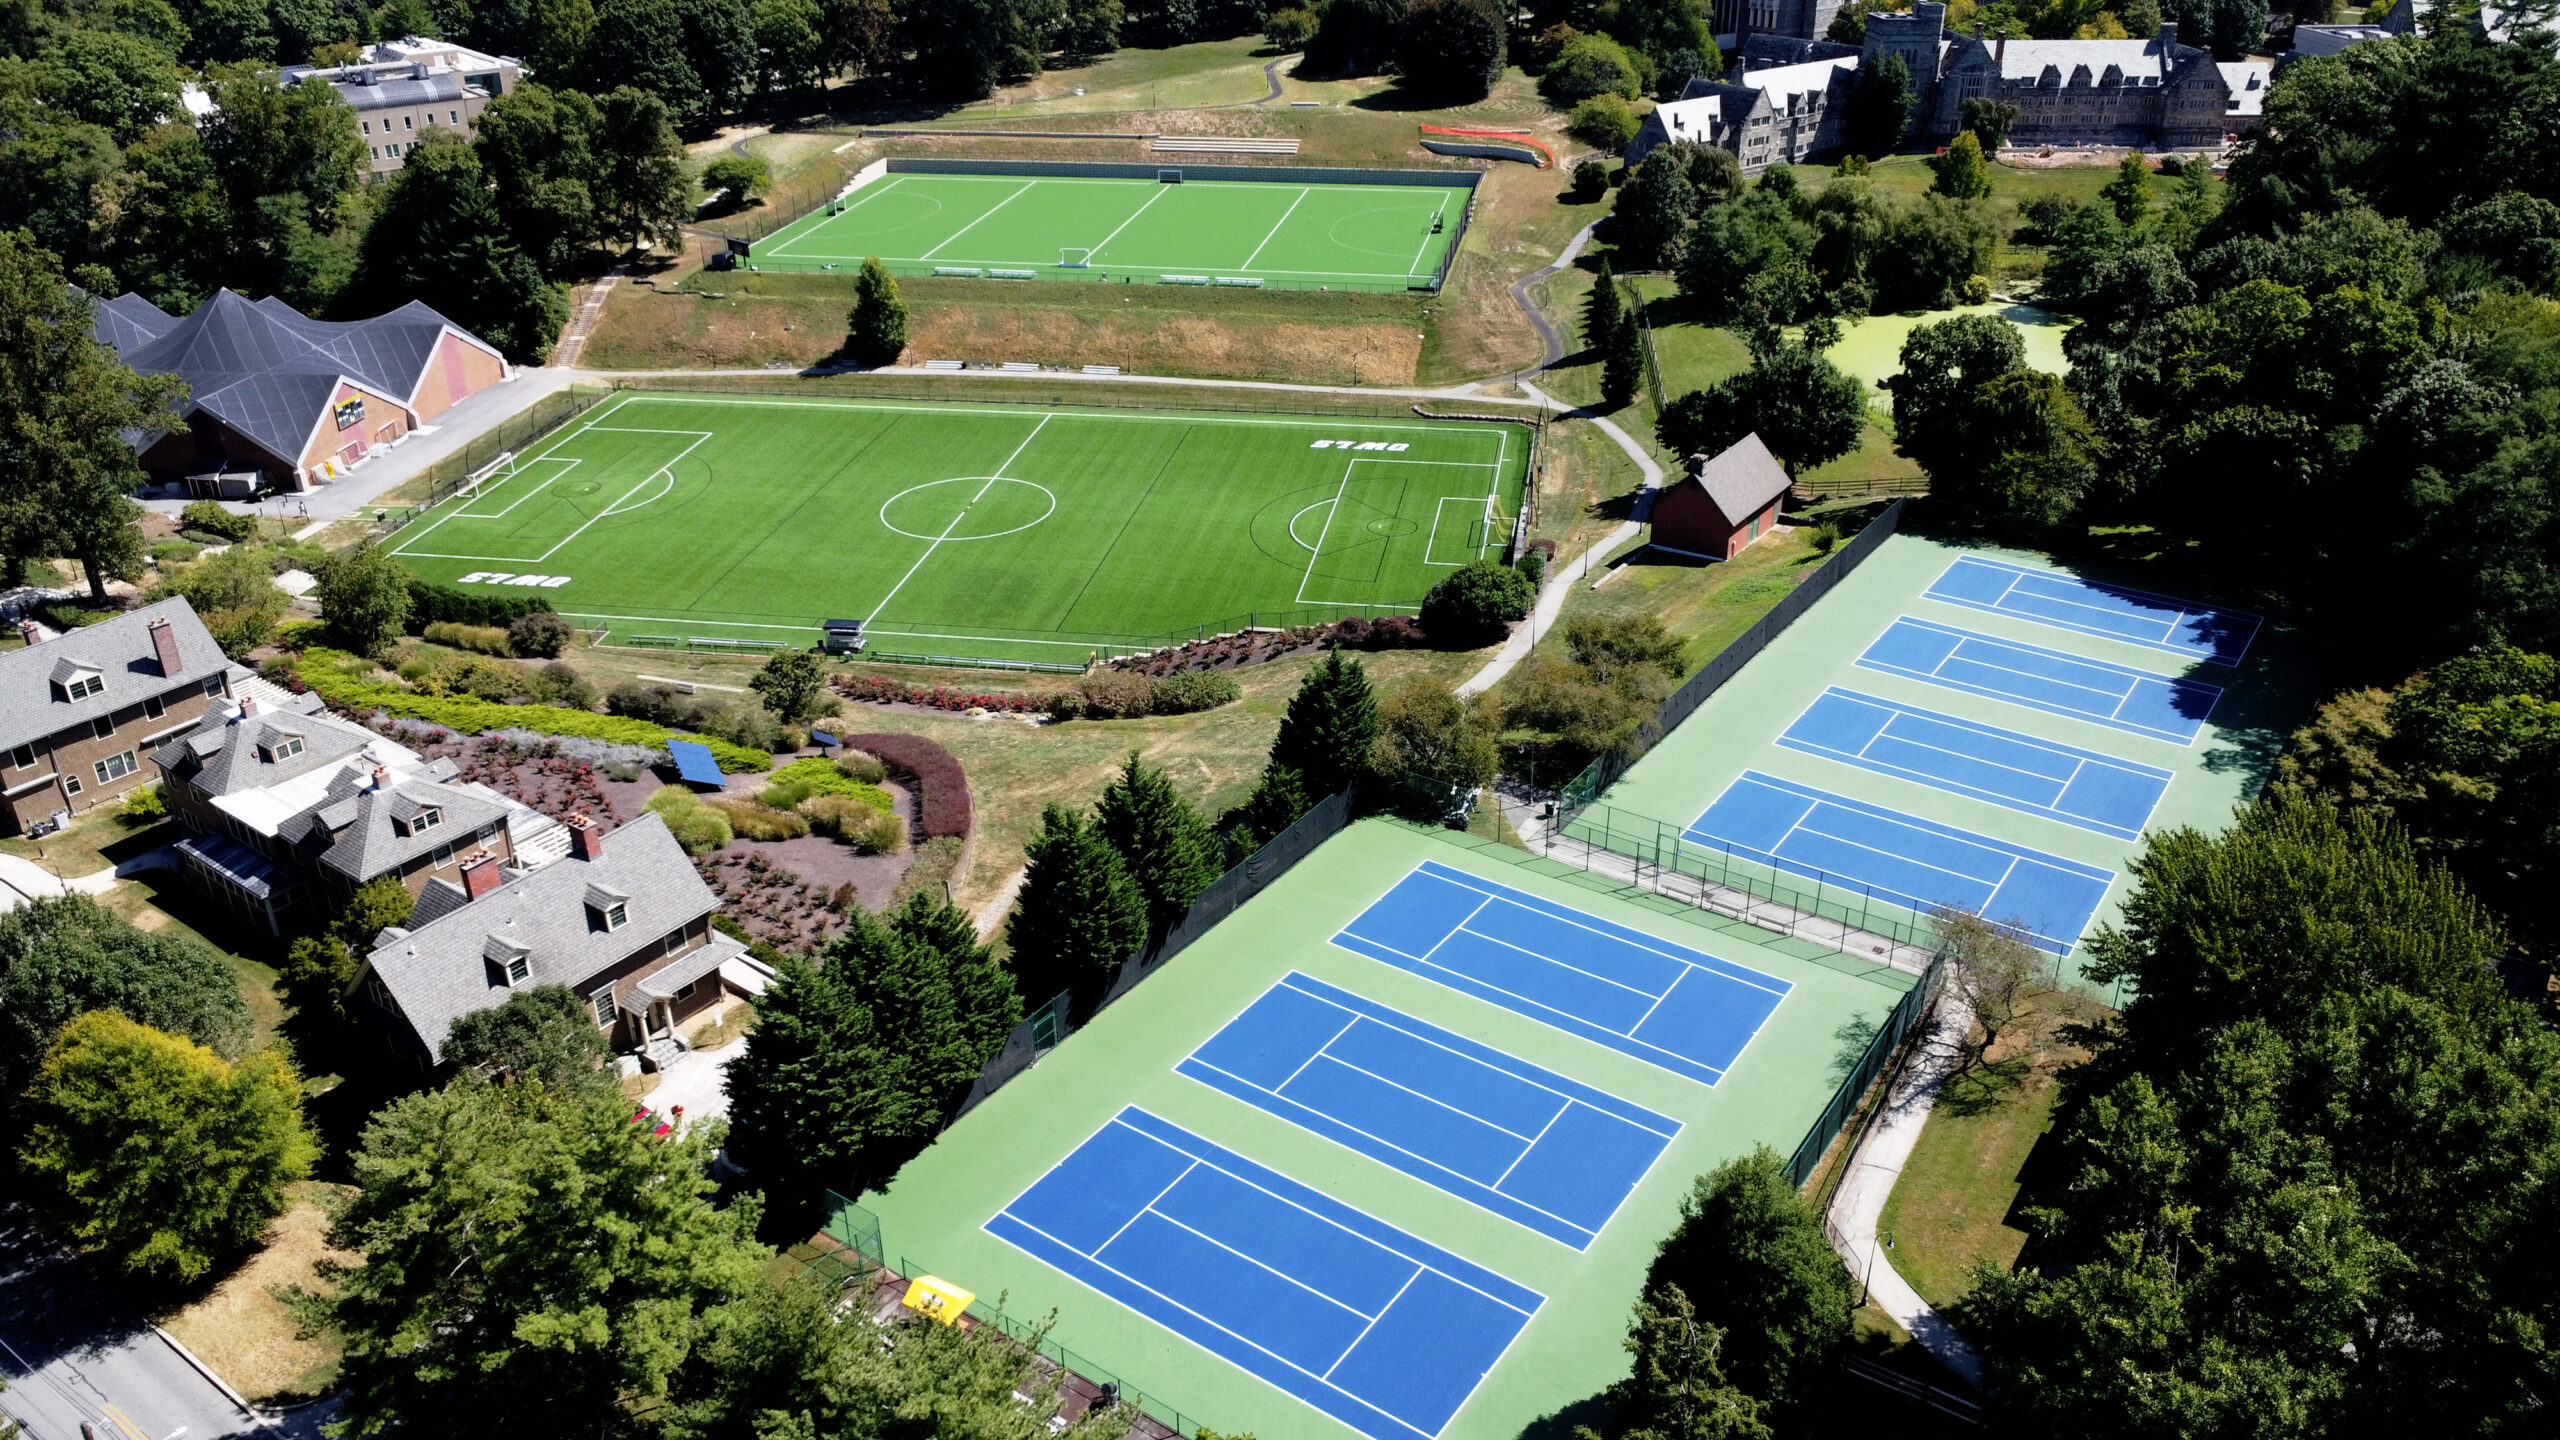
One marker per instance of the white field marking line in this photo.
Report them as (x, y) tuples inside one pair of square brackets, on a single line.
[(1162, 190), (1284, 1276), (1424, 1161), (571, 464), (1238, 1336), (1637, 941), (1140, 416), (544, 454), (667, 470), (1433, 542), (974, 224), (1274, 230), (1532, 1145), (962, 515), (1317, 1053), (1142, 1211), (1327, 1376), (1318, 553), (1293, 529), (849, 209), (1426, 236), (756, 625)]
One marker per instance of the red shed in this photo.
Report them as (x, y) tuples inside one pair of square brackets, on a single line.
[(1726, 501)]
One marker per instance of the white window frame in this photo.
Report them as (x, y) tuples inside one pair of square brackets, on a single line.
[(601, 1005), (82, 687), (23, 758), (519, 970), (121, 763), (617, 915)]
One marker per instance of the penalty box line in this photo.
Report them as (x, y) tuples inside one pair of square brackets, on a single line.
[(462, 503), (1317, 555), (618, 507)]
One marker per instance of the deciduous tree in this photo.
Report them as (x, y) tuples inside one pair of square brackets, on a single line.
[(64, 957), (876, 327), (793, 685), (543, 1036), (1450, 51), (1751, 1257), (364, 595)]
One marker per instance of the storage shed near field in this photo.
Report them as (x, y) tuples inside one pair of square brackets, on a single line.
[(294, 399), (1726, 501)]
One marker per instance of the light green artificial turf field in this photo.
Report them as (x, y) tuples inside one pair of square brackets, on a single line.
[(1367, 237), (1737, 729), (977, 531), (931, 1215)]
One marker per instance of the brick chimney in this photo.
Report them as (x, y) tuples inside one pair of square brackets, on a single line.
[(164, 643), (586, 837), (31, 632), (2000, 50), (480, 875), (381, 777), (248, 706)]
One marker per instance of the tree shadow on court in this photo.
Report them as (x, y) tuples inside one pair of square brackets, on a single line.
[(1560, 1423)]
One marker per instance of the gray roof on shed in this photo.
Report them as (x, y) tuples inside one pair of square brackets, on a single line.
[(120, 651), (1741, 478), (264, 368), (439, 971)]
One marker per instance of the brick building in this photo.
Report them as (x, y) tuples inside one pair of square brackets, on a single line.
[(1724, 502), (80, 711), (295, 399)]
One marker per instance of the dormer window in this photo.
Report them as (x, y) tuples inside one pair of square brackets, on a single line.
[(519, 970), (428, 819), (82, 686), (607, 909), (280, 748), (617, 915)]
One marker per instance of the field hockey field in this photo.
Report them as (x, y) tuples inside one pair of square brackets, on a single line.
[(981, 532), (1348, 236)]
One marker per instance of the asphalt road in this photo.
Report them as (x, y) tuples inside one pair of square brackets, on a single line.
[(74, 1353)]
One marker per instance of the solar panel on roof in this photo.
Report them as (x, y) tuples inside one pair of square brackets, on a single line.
[(694, 762)]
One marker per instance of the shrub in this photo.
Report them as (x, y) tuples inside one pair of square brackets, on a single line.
[(1977, 290), (144, 804), (1476, 604), (169, 552), (338, 678), (430, 602), (737, 180), (1117, 694), (803, 779), (699, 828), (1195, 690), (541, 633), (1826, 537), (1591, 177), (1289, 28), (568, 687), (867, 829), (211, 519), (943, 807), (487, 639), (1591, 65), (1603, 122), (861, 765), (752, 820)]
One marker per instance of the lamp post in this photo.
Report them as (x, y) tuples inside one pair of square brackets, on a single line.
[(1866, 1284)]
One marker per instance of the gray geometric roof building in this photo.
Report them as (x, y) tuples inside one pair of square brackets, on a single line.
[(1741, 478), (455, 963), (34, 682), (266, 369)]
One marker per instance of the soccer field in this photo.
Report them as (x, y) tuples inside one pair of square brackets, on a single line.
[(987, 532), (1367, 237)]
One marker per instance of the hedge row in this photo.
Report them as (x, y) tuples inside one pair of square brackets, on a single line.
[(431, 604), (942, 787), (466, 715)]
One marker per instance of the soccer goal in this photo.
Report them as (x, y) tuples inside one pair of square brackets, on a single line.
[(502, 467), (1075, 259)]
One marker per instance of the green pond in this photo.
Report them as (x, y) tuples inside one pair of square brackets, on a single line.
[(1872, 348)]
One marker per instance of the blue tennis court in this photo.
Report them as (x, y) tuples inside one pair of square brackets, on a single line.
[(2162, 707), (1373, 1327), (1681, 1009), (2139, 617), (1521, 1141), (1902, 859), (1962, 757)]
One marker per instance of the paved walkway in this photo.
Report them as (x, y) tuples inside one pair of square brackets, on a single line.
[(696, 1081), (1851, 1224)]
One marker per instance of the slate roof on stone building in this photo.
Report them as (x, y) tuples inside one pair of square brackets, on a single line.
[(441, 970), (119, 651), (2138, 61), (265, 369)]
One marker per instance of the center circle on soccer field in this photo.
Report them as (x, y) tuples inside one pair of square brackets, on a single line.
[(985, 507)]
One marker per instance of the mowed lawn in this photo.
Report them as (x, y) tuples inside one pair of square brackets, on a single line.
[(985, 531), (1124, 229)]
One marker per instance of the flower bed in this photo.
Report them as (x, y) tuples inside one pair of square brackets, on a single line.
[(887, 690), (320, 670), (942, 787)]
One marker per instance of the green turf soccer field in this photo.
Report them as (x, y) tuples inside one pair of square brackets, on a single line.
[(1352, 236), (976, 531)]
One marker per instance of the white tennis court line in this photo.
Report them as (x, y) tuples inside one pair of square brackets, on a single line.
[(1327, 1376), (974, 224), (962, 515), (1392, 1083), (1274, 230), (2168, 629), (1143, 1210), (1532, 1145), (1454, 877), (1312, 1056)]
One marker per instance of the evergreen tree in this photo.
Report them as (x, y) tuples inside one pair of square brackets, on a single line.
[(543, 1036), (1622, 369), (1678, 1390), (799, 1095), (984, 1004), (1278, 799), (1080, 915), (1330, 728), (1880, 107), (1750, 1255), (876, 328), (158, 1151), (64, 957), (1603, 311), (1166, 846)]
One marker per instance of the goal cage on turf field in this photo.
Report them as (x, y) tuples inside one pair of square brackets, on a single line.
[(1075, 259)]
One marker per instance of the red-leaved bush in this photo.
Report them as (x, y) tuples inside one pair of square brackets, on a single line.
[(885, 690), (942, 787)]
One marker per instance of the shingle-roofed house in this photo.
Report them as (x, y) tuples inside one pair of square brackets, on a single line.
[(77, 712), (624, 921), (290, 813), (1726, 501), (293, 398)]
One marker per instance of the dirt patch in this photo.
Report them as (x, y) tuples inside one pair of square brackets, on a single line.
[(245, 1333), (1256, 347)]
